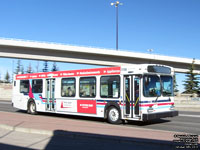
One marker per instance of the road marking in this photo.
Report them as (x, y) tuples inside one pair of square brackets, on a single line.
[(185, 115)]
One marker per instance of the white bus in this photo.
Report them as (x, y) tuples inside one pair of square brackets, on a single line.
[(138, 92)]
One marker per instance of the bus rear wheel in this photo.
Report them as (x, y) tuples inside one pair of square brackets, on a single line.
[(32, 108), (113, 115)]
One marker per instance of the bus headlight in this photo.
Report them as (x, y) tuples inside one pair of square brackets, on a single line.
[(172, 107), (150, 109)]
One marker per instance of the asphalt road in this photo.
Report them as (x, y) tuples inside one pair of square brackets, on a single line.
[(187, 122)]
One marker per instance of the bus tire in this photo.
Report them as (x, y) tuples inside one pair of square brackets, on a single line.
[(113, 115), (32, 108)]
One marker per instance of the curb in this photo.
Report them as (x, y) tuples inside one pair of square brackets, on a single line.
[(70, 134)]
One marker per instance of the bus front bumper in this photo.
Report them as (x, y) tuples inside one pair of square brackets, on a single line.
[(152, 116)]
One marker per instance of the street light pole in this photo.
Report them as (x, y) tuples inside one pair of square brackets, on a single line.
[(117, 28), (117, 3), (150, 51)]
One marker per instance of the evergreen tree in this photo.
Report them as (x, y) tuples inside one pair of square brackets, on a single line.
[(29, 69), (54, 68), (0, 78), (45, 66), (175, 84), (191, 82), (22, 69), (7, 77), (17, 70), (37, 66)]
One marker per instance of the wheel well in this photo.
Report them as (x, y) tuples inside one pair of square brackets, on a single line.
[(108, 105)]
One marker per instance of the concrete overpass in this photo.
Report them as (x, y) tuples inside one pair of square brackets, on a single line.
[(12, 48)]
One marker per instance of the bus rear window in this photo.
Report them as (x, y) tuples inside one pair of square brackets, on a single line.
[(24, 86)]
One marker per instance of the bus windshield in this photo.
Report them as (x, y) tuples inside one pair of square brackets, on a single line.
[(167, 85), (153, 83), (152, 87)]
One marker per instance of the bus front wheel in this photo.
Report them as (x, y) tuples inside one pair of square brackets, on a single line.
[(113, 115), (32, 108)]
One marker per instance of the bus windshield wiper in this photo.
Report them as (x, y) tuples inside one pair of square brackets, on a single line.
[(156, 99)]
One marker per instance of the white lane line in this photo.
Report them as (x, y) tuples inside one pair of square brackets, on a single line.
[(185, 115)]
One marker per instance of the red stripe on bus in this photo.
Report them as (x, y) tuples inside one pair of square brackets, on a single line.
[(146, 105), (142, 105), (160, 104), (71, 73), (49, 101), (101, 103)]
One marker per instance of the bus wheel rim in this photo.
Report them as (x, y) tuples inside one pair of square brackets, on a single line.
[(32, 107), (114, 114)]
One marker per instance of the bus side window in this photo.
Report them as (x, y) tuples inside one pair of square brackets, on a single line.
[(68, 87), (110, 86), (87, 87), (24, 86), (37, 86)]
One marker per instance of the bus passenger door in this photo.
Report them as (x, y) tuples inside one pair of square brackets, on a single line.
[(136, 95), (131, 101), (50, 95), (128, 96)]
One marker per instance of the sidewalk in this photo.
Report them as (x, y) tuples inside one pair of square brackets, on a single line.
[(13, 140), (47, 125)]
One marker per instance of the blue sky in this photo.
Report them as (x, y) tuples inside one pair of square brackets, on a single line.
[(169, 27)]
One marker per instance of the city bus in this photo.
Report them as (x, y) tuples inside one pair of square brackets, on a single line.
[(140, 92)]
